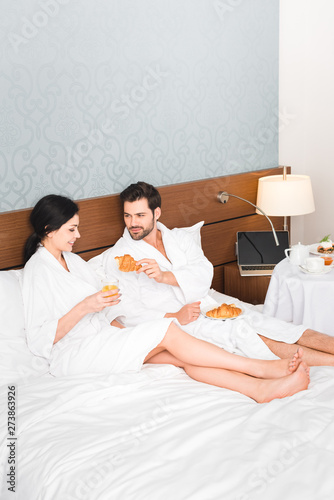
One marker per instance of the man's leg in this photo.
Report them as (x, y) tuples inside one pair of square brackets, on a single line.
[(318, 341), (311, 356)]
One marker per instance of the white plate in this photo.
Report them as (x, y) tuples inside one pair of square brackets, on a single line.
[(314, 251), (204, 310), (326, 269)]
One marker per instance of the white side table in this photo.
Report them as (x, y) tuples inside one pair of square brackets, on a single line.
[(301, 298)]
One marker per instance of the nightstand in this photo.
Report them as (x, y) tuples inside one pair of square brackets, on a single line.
[(250, 289)]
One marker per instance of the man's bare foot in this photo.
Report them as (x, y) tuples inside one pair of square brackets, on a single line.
[(285, 386)]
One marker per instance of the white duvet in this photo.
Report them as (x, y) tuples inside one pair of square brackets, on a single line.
[(159, 434), (155, 434)]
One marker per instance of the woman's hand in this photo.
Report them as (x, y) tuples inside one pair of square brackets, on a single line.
[(91, 304), (98, 301)]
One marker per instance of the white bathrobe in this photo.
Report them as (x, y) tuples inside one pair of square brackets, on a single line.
[(92, 345), (143, 298)]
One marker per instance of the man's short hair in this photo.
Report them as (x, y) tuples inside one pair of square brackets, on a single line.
[(140, 190)]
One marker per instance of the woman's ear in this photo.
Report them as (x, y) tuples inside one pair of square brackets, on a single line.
[(50, 234)]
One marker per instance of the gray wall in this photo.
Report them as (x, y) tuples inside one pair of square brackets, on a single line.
[(97, 94)]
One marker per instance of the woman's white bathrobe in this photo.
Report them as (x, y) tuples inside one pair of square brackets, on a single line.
[(144, 298), (92, 346)]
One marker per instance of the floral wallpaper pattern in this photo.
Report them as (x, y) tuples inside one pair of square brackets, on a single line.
[(97, 94)]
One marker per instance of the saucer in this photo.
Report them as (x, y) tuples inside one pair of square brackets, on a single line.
[(325, 270)]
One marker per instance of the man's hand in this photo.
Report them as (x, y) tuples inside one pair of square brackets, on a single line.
[(187, 314), (151, 268), (117, 324)]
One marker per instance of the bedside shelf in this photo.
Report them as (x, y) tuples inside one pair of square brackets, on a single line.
[(251, 289)]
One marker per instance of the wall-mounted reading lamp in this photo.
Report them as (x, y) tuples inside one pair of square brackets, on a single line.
[(223, 197)]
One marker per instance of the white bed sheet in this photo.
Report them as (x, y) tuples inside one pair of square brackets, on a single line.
[(159, 434)]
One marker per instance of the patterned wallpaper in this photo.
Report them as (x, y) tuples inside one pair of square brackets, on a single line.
[(97, 94)]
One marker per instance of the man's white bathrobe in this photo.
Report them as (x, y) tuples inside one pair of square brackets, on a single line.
[(143, 298), (92, 346)]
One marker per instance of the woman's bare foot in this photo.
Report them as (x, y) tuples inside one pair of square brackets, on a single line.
[(281, 367), (296, 360), (285, 386)]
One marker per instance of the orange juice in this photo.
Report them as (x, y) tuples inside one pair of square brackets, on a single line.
[(328, 260), (106, 288), (110, 284)]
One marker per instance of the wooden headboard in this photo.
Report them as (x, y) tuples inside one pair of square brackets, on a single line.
[(101, 219)]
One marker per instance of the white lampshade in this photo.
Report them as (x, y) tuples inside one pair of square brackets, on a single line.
[(285, 197)]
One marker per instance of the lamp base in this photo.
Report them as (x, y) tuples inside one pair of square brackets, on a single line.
[(223, 196)]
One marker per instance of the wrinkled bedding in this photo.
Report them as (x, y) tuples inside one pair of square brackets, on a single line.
[(158, 434)]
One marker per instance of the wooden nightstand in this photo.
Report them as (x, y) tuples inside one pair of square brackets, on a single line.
[(250, 289)]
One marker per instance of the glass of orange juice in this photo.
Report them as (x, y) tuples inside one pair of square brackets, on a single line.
[(110, 284)]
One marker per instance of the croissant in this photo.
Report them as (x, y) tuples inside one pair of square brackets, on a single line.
[(224, 311), (126, 263)]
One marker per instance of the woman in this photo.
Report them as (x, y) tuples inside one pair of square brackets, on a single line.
[(68, 321)]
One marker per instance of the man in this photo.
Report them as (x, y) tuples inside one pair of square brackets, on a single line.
[(175, 278)]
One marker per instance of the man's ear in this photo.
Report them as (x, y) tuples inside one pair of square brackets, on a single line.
[(157, 213)]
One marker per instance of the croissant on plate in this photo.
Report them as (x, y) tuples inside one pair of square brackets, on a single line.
[(224, 311), (126, 263)]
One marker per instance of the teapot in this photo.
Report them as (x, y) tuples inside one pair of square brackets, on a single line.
[(298, 254)]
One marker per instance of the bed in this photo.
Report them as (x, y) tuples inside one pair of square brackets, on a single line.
[(157, 433)]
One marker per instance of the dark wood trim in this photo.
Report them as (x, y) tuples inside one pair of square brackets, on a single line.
[(184, 204)]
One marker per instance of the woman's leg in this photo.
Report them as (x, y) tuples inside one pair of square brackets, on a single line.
[(261, 390), (198, 352)]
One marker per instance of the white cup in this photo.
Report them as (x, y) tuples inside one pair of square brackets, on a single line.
[(314, 264)]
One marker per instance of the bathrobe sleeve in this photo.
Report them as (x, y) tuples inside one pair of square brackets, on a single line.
[(40, 319)]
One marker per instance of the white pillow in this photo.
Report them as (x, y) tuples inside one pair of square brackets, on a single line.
[(194, 231), (11, 304), (16, 360)]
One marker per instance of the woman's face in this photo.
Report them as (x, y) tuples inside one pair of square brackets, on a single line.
[(63, 239)]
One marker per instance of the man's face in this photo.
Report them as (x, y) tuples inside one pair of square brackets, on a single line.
[(139, 219)]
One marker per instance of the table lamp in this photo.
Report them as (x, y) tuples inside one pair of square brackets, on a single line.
[(285, 195)]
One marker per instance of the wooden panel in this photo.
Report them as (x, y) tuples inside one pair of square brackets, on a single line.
[(101, 222), (86, 255), (218, 240), (14, 230), (218, 279), (251, 289), (101, 219), (186, 204)]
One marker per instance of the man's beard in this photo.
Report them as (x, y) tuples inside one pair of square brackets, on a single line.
[(143, 233)]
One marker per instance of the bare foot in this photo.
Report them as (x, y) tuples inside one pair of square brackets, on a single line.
[(281, 367), (285, 386), (296, 360)]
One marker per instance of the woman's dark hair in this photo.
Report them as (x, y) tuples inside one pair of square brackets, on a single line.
[(142, 190), (49, 214)]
